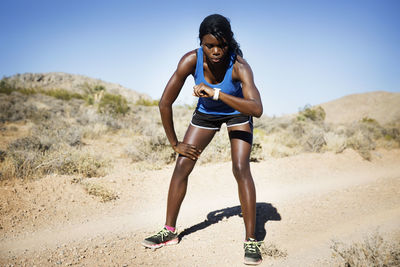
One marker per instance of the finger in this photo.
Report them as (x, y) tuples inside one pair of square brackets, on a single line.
[(196, 92), (191, 155), (195, 148), (193, 151), (187, 151)]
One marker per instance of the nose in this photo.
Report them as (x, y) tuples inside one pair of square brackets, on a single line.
[(216, 51)]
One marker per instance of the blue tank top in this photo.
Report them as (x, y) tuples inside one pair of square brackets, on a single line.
[(208, 105)]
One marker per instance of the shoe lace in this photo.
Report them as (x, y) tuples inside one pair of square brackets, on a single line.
[(162, 233), (252, 246)]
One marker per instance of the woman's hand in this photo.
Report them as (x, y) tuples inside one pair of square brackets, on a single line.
[(187, 150), (202, 90)]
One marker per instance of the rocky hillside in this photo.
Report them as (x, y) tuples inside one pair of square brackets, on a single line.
[(382, 106), (72, 82)]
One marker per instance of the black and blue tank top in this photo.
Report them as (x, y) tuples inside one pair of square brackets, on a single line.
[(228, 86)]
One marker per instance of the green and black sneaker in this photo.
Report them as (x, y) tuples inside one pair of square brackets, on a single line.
[(252, 253), (163, 238)]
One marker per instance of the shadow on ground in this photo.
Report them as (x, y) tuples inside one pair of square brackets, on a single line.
[(264, 212)]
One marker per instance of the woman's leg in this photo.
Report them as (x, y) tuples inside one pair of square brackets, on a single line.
[(241, 139), (177, 189)]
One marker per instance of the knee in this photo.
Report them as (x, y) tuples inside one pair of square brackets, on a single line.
[(184, 166), (241, 170)]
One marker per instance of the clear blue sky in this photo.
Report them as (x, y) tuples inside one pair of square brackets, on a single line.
[(301, 52)]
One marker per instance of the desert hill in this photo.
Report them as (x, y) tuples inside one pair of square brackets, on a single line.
[(72, 82), (382, 106)]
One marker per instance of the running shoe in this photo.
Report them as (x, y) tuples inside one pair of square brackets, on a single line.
[(162, 238), (252, 252)]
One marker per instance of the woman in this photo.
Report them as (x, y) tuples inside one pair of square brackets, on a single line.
[(227, 94)]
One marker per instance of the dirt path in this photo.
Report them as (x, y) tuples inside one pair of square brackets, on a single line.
[(304, 202)]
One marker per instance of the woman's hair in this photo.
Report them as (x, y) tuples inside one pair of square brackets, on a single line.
[(220, 27)]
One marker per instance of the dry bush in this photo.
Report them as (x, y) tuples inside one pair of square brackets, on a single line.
[(374, 251), (314, 140), (74, 161), (316, 114), (113, 104), (15, 107), (150, 149), (362, 143), (149, 142), (285, 136), (100, 191), (53, 147), (335, 142), (33, 160)]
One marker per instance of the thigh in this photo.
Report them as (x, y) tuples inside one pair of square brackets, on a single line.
[(241, 138), (198, 137)]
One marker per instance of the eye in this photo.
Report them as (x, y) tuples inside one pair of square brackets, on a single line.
[(208, 46)]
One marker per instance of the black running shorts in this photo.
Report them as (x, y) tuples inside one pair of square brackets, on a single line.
[(214, 122)]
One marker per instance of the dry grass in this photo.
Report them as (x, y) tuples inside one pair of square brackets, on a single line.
[(374, 251), (100, 191), (307, 132)]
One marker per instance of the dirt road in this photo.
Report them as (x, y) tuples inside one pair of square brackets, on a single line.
[(304, 202)]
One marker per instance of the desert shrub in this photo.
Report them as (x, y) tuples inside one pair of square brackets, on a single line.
[(374, 251), (53, 147), (314, 141), (99, 88), (113, 104), (74, 161), (368, 120), (335, 142), (362, 143), (151, 149), (312, 113), (25, 157), (27, 91), (21, 164), (5, 88), (62, 94), (93, 93), (33, 162), (147, 102), (55, 132), (256, 154), (15, 107), (101, 191)]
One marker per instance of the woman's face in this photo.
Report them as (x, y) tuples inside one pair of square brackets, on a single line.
[(214, 50)]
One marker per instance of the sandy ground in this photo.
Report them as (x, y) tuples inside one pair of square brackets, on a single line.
[(304, 202)]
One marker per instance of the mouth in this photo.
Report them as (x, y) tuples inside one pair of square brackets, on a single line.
[(215, 60)]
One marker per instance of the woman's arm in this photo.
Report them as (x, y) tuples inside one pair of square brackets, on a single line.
[(251, 103), (186, 66)]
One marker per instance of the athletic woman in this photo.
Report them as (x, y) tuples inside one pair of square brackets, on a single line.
[(227, 94)]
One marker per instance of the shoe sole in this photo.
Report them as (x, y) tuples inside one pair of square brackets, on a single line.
[(155, 246), (252, 262)]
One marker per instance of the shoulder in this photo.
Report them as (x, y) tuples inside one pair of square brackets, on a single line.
[(187, 64), (241, 69)]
